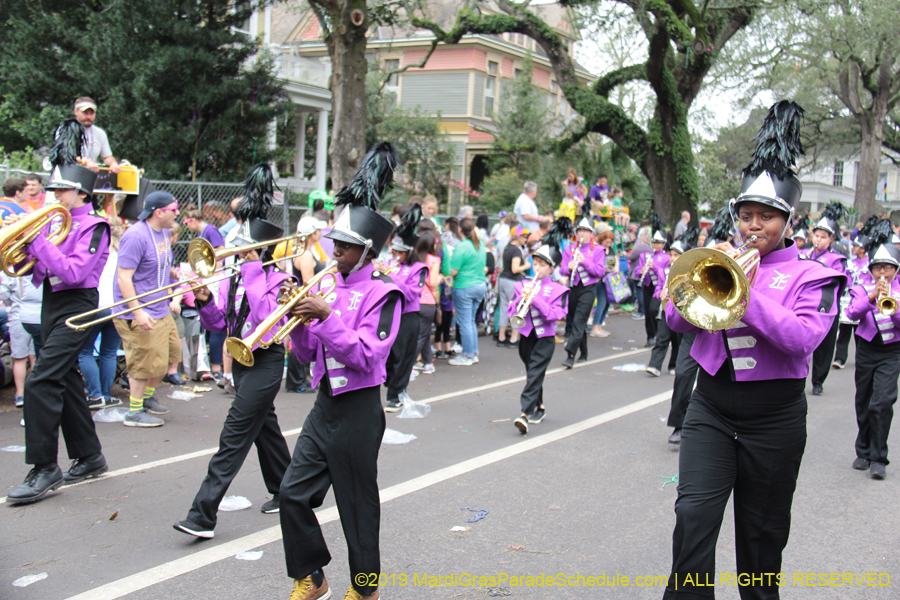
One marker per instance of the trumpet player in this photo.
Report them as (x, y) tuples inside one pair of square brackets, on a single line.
[(877, 355), (69, 273), (251, 418), (824, 233), (858, 270), (584, 263), (410, 278), (349, 339), (745, 428), (541, 302)]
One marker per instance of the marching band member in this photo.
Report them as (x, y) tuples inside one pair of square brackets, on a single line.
[(664, 335), (877, 353), (801, 233), (646, 268), (251, 418), (70, 273), (583, 275), (858, 270), (547, 305), (349, 340), (410, 277), (824, 234), (745, 429)]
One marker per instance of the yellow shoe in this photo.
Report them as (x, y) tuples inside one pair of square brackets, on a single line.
[(352, 594), (305, 589), (560, 340)]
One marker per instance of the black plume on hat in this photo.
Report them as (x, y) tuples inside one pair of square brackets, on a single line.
[(778, 141), (259, 193), (802, 224), (689, 237), (374, 176), (561, 230), (880, 234), (835, 211), (69, 139), (722, 227), (655, 222), (866, 229), (407, 227)]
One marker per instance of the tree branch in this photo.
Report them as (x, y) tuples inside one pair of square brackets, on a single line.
[(608, 82)]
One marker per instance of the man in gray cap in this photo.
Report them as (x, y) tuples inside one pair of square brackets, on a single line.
[(97, 144)]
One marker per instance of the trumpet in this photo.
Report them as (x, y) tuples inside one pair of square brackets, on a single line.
[(242, 349), (389, 268), (530, 289), (14, 237), (204, 259), (710, 288), (887, 304), (71, 322)]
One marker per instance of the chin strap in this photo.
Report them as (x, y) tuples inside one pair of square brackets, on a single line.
[(362, 257)]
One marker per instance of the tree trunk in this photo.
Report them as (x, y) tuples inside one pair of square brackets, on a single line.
[(669, 199), (674, 190), (872, 136), (347, 49)]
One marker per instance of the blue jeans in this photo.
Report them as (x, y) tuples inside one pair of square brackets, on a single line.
[(34, 330), (99, 380), (216, 340), (465, 302), (602, 304)]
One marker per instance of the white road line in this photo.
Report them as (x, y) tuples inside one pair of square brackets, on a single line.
[(203, 558), (210, 451)]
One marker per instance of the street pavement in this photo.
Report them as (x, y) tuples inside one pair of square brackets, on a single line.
[(583, 494)]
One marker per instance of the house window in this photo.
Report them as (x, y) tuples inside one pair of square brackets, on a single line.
[(492, 67), (838, 175), (517, 73), (490, 90), (392, 64), (244, 26)]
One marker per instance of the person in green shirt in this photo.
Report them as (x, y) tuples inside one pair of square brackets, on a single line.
[(467, 267)]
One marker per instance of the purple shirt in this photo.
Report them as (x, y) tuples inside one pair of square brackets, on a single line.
[(829, 258), (149, 254), (71, 265), (590, 270), (353, 343), (660, 260), (213, 236), (859, 270), (260, 289), (596, 191), (792, 307), (662, 275), (546, 309), (411, 281), (871, 321)]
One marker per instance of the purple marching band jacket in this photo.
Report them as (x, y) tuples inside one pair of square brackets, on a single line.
[(590, 270), (660, 259), (353, 343), (792, 306), (662, 275), (546, 309), (261, 290), (72, 264), (829, 258), (859, 270), (871, 321), (411, 281)]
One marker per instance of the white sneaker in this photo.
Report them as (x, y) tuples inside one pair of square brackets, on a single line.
[(428, 369), (475, 359), (461, 361), (671, 371), (653, 371), (456, 348)]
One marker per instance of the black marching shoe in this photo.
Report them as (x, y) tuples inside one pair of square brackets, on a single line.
[(272, 506), (85, 468), (393, 405), (675, 438), (582, 358), (39, 482), (861, 464), (817, 389), (521, 424), (537, 416), (877, 471), (569, 362), (191, 528)]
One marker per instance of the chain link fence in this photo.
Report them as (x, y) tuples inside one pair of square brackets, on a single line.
[(213, 200)]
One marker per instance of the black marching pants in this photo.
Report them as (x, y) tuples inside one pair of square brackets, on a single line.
[(423, 346), (842, 348), (298, 374), (749, 438), (251, 420), (338, 447), (536, 353), (824, 354), (54, 390), (651, 309), (403, 355), (581, 303), (685, 375), (877, 370), (664, 337)]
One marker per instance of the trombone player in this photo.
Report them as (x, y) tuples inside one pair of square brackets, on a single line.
[(745, 427), (69, 273), (251, 418)]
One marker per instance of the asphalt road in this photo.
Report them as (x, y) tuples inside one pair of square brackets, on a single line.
[(582, 494)]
